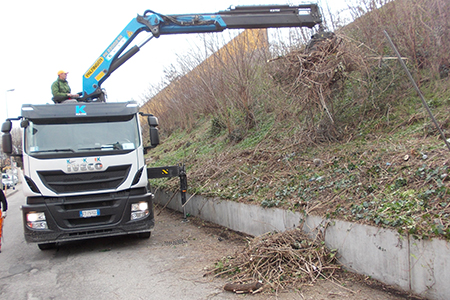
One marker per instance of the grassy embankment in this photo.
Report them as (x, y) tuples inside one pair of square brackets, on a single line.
[(338, 132)]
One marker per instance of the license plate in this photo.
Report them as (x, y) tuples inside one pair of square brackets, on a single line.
[(90, 213)]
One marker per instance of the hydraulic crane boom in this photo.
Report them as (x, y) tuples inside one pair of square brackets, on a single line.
[(239, 17)]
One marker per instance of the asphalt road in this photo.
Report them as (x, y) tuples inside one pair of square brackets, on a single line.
[(169, 265)]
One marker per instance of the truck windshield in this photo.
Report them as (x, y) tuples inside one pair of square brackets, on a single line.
[(81, 135)]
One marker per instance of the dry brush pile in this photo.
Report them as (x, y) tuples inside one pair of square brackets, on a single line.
[(312, 77), (280, 260)]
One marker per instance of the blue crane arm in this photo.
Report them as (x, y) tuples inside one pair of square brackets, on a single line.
[(242, 17)]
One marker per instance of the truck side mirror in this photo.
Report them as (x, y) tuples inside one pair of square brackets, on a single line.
[(6, 126), (154, 133), (24, 123), (7, 143), (154, 137), (152, 121), (6, 137)]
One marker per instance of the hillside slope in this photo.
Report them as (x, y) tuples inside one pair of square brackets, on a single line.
[(338, 132)]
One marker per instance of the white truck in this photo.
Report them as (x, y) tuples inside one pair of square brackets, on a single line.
[(84, 171)]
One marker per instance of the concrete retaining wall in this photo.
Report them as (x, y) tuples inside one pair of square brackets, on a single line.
[(422, 267)]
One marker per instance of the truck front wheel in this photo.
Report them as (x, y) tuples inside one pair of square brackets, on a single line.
[(46, 246), (144, 235)]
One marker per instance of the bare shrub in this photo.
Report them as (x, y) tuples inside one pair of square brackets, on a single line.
[(420, 29), (223, 85)]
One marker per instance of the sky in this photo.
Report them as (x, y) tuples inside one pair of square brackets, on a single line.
[(39, 38)]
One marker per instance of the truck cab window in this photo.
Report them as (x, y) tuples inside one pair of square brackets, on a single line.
[(79, 137)]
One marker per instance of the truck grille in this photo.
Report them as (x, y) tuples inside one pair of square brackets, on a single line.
[(60, 182)]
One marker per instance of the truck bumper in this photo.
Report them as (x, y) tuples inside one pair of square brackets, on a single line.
[(65, 220)]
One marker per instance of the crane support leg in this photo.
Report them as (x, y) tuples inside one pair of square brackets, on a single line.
[(168, 172)]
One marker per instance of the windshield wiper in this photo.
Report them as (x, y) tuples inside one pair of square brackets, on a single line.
[(90, 148), (55, 150), (115, 146)]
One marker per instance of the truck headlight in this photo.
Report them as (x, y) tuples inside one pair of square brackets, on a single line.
[(139, 210), (36, 220)]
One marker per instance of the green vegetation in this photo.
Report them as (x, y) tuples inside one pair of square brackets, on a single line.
[(348, 138)]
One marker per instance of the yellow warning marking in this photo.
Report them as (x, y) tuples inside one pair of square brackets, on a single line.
[(130, 33), (165, 171), (100, 76), (94, 67)]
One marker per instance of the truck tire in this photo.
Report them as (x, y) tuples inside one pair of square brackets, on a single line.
[(46, 246), (144, 235)]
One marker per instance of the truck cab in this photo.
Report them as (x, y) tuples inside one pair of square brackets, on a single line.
[(84, 172)]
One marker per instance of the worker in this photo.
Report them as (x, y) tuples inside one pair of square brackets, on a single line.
[(4, 208), (61, 89)]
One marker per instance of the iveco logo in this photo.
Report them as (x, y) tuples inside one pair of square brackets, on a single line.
[(86, 164)]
